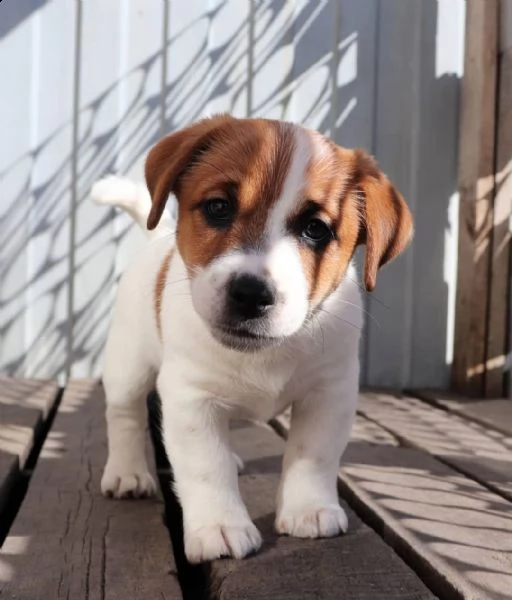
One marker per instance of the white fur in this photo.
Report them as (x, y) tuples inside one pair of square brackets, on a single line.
[(203, 384)]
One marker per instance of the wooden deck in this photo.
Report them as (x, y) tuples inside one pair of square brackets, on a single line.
[(427, 483)]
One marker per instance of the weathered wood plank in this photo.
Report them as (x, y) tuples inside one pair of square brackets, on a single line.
[(67, 540), (455, 533), (358, 565), (24, 406), (476, 187), (484, 455), (497, 331), (495, 413)]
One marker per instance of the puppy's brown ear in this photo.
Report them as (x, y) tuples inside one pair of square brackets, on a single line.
[(387, 225), (170, 158)]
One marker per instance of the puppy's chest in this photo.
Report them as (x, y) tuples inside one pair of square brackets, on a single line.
[(254, 392)]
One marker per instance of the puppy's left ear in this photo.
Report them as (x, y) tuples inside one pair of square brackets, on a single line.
[(171, 157), (387, 225)]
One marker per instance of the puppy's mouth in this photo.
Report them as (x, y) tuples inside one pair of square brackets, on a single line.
[(242, 339)]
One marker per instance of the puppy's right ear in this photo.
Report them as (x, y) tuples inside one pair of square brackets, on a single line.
[(170, 158)]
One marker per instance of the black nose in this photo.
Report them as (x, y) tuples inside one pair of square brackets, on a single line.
[(249, 296)]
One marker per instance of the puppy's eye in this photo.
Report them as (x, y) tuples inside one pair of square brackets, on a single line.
[(316, 233), (218, 212)]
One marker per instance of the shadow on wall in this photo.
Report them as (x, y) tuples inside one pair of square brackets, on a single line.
[(312, 63), (17, 13)]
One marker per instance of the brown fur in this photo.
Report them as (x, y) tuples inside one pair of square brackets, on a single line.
[(161, 279)]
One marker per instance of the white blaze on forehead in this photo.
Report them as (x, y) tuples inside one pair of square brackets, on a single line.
[(308, 146), (282, 260)]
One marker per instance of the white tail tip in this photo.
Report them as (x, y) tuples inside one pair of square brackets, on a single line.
[(115, 191)]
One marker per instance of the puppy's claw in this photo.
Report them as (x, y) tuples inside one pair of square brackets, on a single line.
[(215, 541), (327, 521), (137, 484), (239, 462)]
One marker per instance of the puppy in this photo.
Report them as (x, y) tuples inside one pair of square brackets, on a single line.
[(250, 306)]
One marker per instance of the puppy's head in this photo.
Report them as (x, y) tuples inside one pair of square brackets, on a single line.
[(269, 217)]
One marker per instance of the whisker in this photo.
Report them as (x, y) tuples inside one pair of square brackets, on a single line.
[(369, 294), (363, 310), (176, 281), (340, 318), (323, 335)]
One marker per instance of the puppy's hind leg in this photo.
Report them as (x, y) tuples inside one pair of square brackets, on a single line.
[(127, 380)]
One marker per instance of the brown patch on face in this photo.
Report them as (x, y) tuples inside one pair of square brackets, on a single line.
[(161, 279), (362, 206), (328, 186), (247, 162)]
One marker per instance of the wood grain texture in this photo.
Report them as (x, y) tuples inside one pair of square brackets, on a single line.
[(355, 565), (495, 413), (476, 188), (454, 532), (499, 308), (483, 455), (24, 406), (67, 540)]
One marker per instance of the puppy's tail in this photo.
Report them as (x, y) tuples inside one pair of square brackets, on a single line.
[(131, 197)]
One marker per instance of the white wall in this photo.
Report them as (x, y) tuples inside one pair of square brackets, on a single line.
[(88, 86)]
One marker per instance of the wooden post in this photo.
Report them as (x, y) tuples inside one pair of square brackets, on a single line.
[(476, 188), (498, 329)]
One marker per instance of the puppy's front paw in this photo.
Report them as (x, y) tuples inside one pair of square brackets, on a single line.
[(127, 483), (313, 522), (215, 541)]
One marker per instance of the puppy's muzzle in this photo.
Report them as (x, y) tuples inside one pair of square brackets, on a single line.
[(249, 297)]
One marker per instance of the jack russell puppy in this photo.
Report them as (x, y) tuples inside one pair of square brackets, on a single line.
[(249, 306)]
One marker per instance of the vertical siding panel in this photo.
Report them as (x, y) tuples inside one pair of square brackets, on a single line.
[(16, 162), (188, 62), (355, 74), (311, 85), (396, 140), (435, 243), (51, 183), (187, 66), (99, 125), (228, 44), (416, 144), (140, 101), (273, 58)]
